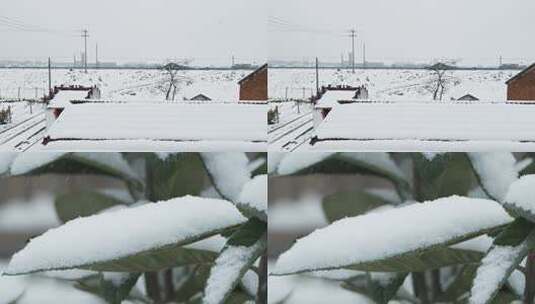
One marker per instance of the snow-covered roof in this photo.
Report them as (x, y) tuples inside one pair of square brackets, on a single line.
[(161, 122), (331, 97), (64, 97), (431, 122)]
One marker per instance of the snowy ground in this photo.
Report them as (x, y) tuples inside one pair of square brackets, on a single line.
[(125, 84), (398, 85)]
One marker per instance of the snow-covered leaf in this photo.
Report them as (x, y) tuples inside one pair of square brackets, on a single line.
[(110, 164), (11, 289), (496, 267), (520, 198), (83, 203), (242, 250), (252, 200), (228, 172), (175, 175), (495, 172), (410, 230), (378, 164), (444, 175), (348, 204), (108, 239), (515, 233)]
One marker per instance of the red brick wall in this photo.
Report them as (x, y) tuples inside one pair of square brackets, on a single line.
[(522, 88), (255, 87)]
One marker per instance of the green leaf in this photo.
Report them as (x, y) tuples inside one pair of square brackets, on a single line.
[(104, 288), (83, 203), (177, 175), (460, 286), (248, 234), (155, 260), (348, 204), (380, 290), (515, 233), (445, 175), (421, 260), (194, 284)]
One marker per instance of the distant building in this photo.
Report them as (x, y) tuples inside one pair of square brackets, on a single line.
[(62, 96), (468, 97), (330, 96), (254, 86), (522, 85), (200, 97)]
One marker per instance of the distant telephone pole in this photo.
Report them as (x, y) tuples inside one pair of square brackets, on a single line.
[(49, 77), (96, 56), (364, 55), (317, 77), (233, 61), (353, 34), (85, 35)]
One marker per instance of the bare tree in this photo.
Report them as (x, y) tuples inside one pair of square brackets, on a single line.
[(441, 79)]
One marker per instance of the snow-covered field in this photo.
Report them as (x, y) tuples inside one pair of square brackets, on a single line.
[(125, 84), (396, 85)]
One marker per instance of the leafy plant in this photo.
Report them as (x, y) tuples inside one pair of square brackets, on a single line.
[(179, 227), (461, 226)]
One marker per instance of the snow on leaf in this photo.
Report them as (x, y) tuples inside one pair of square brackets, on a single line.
[(11, 289), (496, 172), (26, 162), (447, 221), (521, 197), (229, 268), (274, 158), (229, 172), (254, 195), (381, 161), (114, 161), (495, 268), (114, 235), (294, 162), (6, 158)]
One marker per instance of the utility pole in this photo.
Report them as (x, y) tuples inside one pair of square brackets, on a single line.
[(96, 56), (501, 60), (317, 78), (233, 61), (353, 34), (49, 77), (85, 35), (364, 55)]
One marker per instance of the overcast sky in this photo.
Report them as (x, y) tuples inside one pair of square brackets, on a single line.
[(476, 30), (210, 31)]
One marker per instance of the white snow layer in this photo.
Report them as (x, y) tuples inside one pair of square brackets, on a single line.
[(6, 158), (114, 235), (63, 98), (367, 238), (176, 122), (494, 266), (254, 193), (226, 271), (229, 172), (496, 171), (430, 121), (521, 193)]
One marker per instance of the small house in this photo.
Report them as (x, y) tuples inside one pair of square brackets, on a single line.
[(522, 85), (468, 97), (254, 87), (200, 97)]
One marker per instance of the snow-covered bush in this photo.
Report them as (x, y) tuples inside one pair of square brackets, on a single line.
[(460, 227), (191, 227)]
